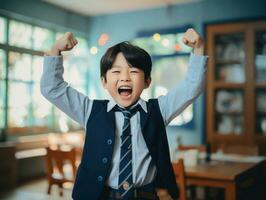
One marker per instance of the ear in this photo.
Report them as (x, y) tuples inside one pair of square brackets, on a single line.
[(103, 80), (147, 83)]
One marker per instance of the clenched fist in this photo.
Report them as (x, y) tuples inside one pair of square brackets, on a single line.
[(192, 39), (64, 43)]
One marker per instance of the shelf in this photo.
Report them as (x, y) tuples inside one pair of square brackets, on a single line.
[(231, 134), (230, 113), (228, 62), (227, 85), (236, 83)]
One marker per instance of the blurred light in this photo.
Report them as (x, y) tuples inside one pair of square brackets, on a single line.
[(156, 37), (165, 42), (103, 39), (94, 50), (177, 47)]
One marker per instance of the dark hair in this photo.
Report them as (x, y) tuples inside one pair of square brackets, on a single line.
[(135, 56)]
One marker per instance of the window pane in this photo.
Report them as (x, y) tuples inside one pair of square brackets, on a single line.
[(42, 38), (2, 64), (167, 72), (19, 66), (167, 44), (20, 34), (75, 71), (2, 30), (58, 35), (19, 105), (82, 48), (41, 108), (2, 103), (63, 123), (37, 63)]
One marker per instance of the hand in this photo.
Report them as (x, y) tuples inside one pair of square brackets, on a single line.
[(64, 43), (163, 194), (192, 39)]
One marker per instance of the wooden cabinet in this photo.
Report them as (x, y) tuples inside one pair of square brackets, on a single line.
[(236, 83)]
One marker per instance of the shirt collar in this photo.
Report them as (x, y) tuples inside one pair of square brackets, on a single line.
[(141, 102)]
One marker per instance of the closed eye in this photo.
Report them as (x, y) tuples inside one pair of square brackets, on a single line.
[(134, 71), (116, 72)]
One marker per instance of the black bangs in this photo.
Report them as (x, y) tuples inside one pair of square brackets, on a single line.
[(135, 56)]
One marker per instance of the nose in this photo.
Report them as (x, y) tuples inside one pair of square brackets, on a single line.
[(125, 76)]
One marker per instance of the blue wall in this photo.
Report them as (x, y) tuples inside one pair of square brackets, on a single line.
[(125, 26)]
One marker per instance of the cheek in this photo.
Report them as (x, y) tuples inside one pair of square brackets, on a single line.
[(140, 84)]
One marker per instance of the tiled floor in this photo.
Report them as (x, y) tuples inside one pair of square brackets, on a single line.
[(36, 190)]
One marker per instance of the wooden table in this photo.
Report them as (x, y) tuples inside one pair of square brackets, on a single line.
[(223, 174)]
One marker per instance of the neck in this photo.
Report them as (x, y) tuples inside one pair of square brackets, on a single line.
[(131, 106)]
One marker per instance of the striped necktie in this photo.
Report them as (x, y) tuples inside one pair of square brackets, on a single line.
[(125, 180)]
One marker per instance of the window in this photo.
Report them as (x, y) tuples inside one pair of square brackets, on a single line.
[(2, 30), (170, 60), (25, 109), (2, 88)]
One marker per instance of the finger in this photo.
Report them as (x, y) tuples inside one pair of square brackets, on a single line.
[(68, 35), (72, 42), (191, 44), (69, 45), (185, 41), (76, 41), (199, 42)]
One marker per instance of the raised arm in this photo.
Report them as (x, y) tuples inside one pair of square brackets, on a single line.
[(183, 94), (53, 87)]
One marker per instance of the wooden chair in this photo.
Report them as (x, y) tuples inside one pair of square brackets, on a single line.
[(200, 148), (179, 170), (56, 160)]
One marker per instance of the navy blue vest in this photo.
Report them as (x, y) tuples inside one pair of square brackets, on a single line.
[(98, 149)]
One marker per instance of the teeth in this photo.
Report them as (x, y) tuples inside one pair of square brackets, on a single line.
[(125, 87)]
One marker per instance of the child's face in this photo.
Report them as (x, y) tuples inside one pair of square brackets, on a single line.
[(124, 83)]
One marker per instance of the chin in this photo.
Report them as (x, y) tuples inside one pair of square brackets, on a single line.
[(125, 104)]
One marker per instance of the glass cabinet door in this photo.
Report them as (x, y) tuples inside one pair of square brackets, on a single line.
[(230, 55), (260, 79), (260, 111), (229, 111), (260, 56)]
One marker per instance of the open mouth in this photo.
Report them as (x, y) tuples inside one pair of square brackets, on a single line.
[(125, 90)]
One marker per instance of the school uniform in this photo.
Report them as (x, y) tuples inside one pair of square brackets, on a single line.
[(99, 166)]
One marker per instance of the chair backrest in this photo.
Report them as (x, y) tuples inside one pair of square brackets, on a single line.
[(56, 158), (179, 171), (200, 148)]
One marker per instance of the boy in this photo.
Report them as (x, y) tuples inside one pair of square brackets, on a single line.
[(126, 153)]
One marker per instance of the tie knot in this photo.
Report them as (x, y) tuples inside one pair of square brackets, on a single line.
[(128, 112)]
